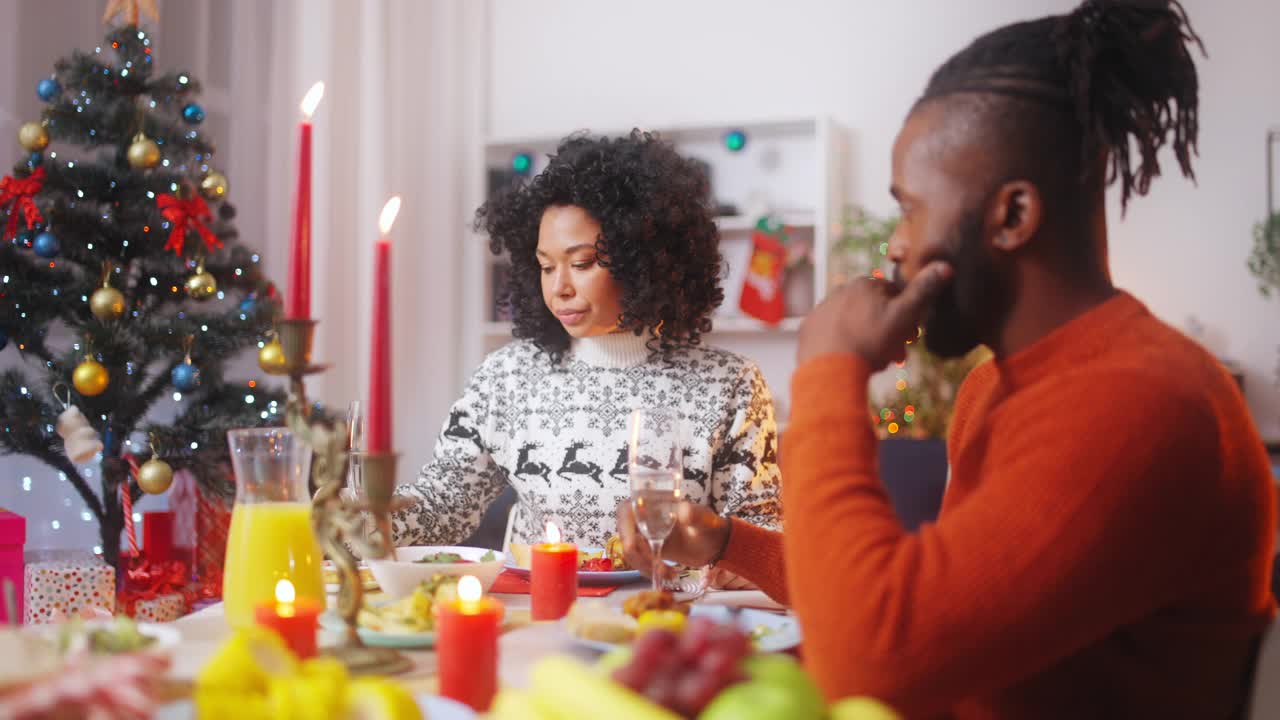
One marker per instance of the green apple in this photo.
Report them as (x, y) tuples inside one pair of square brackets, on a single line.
[(613, 660), (753, 701), (785, 671), (862, 708)]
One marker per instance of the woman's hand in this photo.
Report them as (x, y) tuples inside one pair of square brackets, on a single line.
[(698, 538)]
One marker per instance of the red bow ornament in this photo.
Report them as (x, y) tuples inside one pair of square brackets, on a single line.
[(21, 193), (184, 215)]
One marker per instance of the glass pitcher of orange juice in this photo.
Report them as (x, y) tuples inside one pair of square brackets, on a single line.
[(270, 536)]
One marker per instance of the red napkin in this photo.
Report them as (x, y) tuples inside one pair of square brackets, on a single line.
[(512, 584)]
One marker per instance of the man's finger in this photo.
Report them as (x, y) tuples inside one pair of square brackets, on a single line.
[(909, 306)]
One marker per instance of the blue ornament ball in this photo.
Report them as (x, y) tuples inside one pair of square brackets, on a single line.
[(735, 140), (46, 244), (193, 114), (185, 377), (48, 89), (522, 163), (35, 158), (4, 338), (248, 305)]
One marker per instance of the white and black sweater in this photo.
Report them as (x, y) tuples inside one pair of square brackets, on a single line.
[(557, 433)]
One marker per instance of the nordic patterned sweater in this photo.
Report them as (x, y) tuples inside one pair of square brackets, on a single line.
[(557, 433)]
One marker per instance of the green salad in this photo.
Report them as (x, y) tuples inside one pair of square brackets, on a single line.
[(450, 558)]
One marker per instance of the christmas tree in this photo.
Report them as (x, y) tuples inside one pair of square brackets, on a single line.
[(122, 284)]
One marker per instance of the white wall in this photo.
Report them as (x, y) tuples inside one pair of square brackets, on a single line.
[(558, 65)]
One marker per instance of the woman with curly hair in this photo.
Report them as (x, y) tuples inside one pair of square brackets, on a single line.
[(615, 274)]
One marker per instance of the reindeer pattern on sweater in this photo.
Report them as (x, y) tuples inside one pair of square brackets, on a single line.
[(558, 434)]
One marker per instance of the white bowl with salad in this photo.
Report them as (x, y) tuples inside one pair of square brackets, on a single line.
[(413, 565)]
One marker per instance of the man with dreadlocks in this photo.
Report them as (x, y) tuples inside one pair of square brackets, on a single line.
[(1104, 545)]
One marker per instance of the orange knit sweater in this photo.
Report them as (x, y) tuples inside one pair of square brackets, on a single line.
[(1103, 548)]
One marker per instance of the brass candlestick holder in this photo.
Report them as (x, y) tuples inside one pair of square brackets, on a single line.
[(342, 525)]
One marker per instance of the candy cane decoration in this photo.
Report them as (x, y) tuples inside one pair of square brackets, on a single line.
[(126, 500)]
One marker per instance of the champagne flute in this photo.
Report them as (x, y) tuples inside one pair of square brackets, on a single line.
[(656, 467), (355, 439)]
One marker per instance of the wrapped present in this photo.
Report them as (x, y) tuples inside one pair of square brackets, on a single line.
[(154, 591), (161, 609), (62, 583), (182, 503), (213, 524), (13, 538), (157, 535)]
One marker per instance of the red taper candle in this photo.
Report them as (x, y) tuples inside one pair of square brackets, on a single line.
[(298, 300), (553, 577), (378, 423)]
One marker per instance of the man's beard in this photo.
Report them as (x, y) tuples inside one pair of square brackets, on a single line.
[(972, 307)]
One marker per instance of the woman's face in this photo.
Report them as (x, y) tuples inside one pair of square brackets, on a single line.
[(581, 294)]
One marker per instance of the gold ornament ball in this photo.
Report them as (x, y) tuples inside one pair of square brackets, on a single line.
[(271, 358), (214, 186), (33, 136), (90, 378), (202, 286), (144, 154), (155, 476), (106, 303)]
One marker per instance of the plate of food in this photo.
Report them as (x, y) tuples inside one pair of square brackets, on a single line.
[(599, 626), (410, 566), (596, 566), (407, 622), (330, 574), (115, 636)]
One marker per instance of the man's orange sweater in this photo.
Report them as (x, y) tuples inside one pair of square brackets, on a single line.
[(1103, 549)]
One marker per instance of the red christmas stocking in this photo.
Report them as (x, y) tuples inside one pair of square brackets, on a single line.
[(762, 290)]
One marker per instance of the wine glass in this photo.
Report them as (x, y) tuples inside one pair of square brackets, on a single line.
[(655, 466), (355, 438)]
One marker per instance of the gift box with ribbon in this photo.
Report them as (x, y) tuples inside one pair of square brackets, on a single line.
[(13, 539), (156, 586), (62, 583)]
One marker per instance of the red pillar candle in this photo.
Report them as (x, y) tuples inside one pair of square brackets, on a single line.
[(553, 577), (298, 301), (157, 535), (467, 646), (294, 619), (377, 425)]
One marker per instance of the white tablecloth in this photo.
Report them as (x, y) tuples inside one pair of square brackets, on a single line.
[(518, 649)]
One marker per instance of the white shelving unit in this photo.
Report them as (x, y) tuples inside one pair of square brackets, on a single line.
[(790, 169)]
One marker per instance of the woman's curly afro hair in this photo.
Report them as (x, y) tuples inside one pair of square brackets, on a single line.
[(658, 238)]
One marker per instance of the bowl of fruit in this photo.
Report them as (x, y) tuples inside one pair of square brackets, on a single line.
[(703, 670), (409, 567)]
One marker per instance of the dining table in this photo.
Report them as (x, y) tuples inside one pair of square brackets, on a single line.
[(520, 646)]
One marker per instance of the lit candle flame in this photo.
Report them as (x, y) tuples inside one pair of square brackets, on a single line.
[(388, 216), (285, 593), (312, 99), (553, 533), (469, 589)]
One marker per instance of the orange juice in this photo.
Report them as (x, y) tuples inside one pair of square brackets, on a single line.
[(269, 541)]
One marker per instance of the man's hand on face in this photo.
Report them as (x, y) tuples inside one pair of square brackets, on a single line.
[(872, 318)]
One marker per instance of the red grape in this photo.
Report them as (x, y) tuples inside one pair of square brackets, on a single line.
[(684, 673), (695, 691), (696, 638)]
